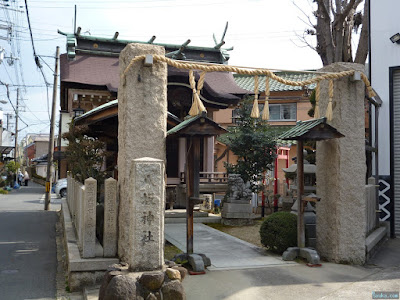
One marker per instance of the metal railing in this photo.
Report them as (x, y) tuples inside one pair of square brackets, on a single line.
[(209, 177)]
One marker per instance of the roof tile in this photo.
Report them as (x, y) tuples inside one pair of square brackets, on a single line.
[(247, 81)]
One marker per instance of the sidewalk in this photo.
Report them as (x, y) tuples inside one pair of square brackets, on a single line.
[(28, 261)]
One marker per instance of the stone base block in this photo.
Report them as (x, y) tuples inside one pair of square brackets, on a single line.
[(196, 262), (310, 254), (237, 221), (236, 215), (237, 208), (290, 254), (235, 201)]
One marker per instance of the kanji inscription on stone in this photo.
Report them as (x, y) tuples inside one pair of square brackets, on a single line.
[(89, 219), (148, 207), (110, 218)]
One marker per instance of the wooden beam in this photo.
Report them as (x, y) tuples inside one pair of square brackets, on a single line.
[(300, 190)]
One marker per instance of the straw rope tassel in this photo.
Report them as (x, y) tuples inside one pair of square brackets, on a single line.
[(255, 112), (316, 109), (265, 113), (199, 87), (194, 110), (329, 113)]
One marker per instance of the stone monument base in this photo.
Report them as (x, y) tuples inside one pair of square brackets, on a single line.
[(119, 283), (310, 254), (237, 213), (198, 261)]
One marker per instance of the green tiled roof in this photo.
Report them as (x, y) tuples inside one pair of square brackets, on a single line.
[(301, 128), (187, 122), (247, 81), (111, 104), (183, 124)]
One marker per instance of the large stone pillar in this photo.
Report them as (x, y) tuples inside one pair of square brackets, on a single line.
[(341, 172), (142, 124)]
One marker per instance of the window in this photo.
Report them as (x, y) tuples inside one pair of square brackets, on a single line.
[(282, 112), (235, 115), (277, 112)]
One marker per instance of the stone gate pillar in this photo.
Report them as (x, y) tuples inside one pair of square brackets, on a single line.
[(142, 123), (341, 172)]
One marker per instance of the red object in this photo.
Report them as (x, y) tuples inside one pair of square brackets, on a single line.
[(314, 265), (196, 273), (281, 153)]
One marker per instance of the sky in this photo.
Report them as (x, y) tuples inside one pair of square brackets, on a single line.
[(265, 34)]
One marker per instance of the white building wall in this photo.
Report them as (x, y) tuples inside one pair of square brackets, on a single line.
[(384, 54)]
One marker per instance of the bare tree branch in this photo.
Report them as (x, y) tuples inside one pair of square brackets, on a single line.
[(304, 41), (306, 15), (347, 9)]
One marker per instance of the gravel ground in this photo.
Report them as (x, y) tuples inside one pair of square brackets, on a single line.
[(249, 234)]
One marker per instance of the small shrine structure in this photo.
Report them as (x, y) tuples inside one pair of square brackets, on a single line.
[(316, 130)]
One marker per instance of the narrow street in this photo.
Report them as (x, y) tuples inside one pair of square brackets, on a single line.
[(28, 261)]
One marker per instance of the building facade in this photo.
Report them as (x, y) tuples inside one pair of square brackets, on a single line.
[(385, 79)]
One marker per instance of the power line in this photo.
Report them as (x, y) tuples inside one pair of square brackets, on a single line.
[(9, 100), (46, 63), (30, 32)]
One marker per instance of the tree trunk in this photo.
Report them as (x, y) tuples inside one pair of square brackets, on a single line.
[(348, 30), (362, 49), (325, 47), (335, 24)]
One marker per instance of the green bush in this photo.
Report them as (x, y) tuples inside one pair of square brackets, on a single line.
[(279, 231), (4, 192)]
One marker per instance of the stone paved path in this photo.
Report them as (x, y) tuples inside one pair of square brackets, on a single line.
[(225, 251)]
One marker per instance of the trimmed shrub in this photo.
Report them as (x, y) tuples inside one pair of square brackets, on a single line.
[(279, 231)]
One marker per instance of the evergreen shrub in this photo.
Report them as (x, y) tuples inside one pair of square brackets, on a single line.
[(279, 231)]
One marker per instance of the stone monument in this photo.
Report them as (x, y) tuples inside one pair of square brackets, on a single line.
[(237, 208), (341, 215), (142, 115), (110, 231)]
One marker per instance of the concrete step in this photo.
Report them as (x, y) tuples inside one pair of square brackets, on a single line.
[(181, 213), (209, 219), (91, 293)]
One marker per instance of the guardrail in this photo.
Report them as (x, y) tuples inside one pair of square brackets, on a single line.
[(209, 177)]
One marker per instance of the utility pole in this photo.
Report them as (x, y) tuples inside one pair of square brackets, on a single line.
[(51, 142), (16, 129)]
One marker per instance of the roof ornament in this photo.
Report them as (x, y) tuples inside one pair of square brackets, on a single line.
[(222, 42), (178, 54)]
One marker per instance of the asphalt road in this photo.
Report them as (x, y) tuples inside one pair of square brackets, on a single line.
[(28, 258)]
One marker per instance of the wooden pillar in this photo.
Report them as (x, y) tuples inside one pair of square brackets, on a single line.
[(182, 155), (192, 186), (300, 190)]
